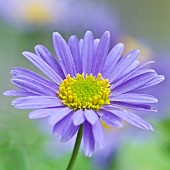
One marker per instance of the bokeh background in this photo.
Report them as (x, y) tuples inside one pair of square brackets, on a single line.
[(29, 144)]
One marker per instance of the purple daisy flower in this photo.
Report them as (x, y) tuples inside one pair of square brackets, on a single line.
[(87, 83)]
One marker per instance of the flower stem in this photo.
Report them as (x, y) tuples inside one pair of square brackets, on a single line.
[(76, 148)]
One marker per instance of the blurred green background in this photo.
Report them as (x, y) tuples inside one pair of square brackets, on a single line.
[(29, 145)]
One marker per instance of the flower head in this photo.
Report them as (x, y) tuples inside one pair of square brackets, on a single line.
[(33, 14), (86, 84), (63, 15)]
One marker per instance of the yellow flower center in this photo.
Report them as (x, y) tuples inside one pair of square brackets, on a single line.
[(37, 13), (84, 92)]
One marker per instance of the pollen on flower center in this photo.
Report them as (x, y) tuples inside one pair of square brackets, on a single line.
[(84, 92)]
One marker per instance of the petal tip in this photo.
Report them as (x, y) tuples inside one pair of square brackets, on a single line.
[(88, 32), (136, 52), (151, 128), (120, 45), (154, 109), (75, 123), (30, 116), (89, 154), (56, 35), (38, 47), (13, 71), (107, 33), (5, 93), (73, 37), (156, 100), (120, 125), (162, 77), (25, 53), (13, 103)]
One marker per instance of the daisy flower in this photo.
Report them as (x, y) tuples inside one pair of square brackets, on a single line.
[(66, 16), (33, 14), (87, 83)]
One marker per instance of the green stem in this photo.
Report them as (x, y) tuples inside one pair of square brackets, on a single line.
[(76, 148)]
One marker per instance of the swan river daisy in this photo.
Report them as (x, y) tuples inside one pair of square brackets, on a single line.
[(86, 83)]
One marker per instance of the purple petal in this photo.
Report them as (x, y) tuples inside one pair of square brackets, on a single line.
[(96, 43), (101, 54), (131, 118), (140, 72), (34, 86), (41, 113), (91, 116), (43, 66), (142, 107), (135, 98), (75, 51), (140, 69), (69, 131), (98, 133), (122, 65), (78, 117), (80, 46), (110, 119), (22, 72), (64, 55), (59, 126), (136, 72), (147, 63), (130, 68), (133, 83), (88, 139), (153, 82), (46, 55), (62, 112), (20, 93), (36, 102), (87, 52), (112, 59)]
